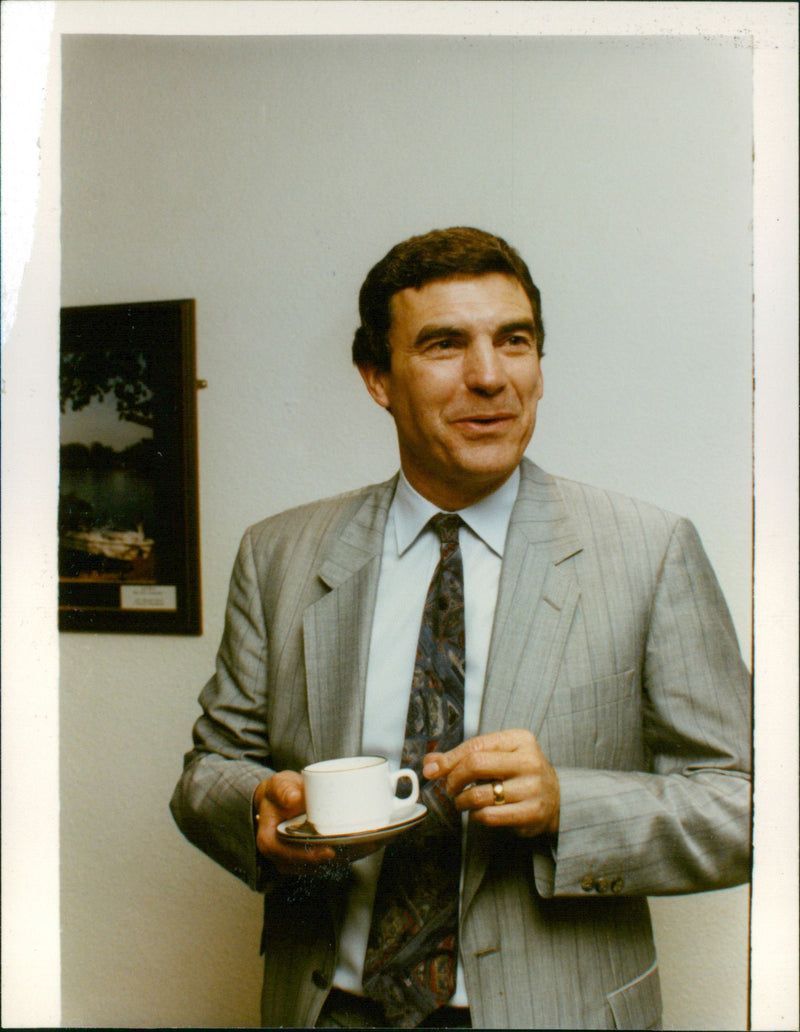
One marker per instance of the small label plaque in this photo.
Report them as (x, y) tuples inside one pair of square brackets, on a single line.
[(148, 596)]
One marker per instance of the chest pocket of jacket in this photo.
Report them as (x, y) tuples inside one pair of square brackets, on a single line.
[(597, 723), (608, 691)]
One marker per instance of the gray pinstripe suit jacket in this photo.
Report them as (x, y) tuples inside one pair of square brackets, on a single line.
[(612, 644)]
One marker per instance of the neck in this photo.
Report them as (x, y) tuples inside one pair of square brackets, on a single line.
[(454, 497)]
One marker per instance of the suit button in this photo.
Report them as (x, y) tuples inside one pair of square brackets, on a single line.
[(587, 883), (601, 885), (617, 885), (319, 980)]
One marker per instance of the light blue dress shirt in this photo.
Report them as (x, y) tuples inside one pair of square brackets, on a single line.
[(410, 555)]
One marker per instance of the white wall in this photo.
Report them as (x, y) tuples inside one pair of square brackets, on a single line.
[(263, 177)]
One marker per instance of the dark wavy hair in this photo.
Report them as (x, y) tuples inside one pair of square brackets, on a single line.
[(438, 255)]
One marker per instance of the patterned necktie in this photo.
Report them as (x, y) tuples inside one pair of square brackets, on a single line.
[(412, 954)]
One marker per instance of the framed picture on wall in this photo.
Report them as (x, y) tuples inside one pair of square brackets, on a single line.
[(128, 529)]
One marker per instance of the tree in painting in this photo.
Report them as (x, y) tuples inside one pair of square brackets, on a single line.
[(95, 372)]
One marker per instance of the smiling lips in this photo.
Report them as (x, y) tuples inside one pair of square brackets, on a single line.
[(486, 420)]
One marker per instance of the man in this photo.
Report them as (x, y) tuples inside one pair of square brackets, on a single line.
[(595, 741)]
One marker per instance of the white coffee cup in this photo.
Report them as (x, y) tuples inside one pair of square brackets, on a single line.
[(355, 793)]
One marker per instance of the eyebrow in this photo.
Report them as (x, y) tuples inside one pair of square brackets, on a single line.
[(434, 332), (428, 333), (527, 325)]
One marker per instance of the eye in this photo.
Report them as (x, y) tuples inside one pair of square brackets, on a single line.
[(444, 344), (519, 341)]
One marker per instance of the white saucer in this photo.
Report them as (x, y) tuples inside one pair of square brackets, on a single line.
[(298, 829)]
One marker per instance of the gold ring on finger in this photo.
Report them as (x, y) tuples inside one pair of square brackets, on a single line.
[(498, 792)]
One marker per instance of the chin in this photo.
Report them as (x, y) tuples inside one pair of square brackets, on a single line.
[(485, 478), (490, 466)]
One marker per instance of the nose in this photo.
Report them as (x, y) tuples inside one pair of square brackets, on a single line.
[(484, 371)]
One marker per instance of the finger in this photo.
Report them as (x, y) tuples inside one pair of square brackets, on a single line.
[(530, 805), (482, 766), (478, 795), (283, 797), (480, 770), (285, 791), (523, 818), (527, 818), (437, 765), (306, 867), (278, 850), (291, 857)]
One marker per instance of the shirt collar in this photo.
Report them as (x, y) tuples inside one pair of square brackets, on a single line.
[(488, 518)]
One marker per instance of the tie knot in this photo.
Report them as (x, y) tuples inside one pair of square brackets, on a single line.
[(446, 525)]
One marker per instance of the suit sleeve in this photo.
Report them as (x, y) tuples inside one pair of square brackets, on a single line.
[(212, 802), (683, 825)]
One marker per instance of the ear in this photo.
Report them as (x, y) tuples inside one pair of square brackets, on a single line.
[(377, 383)]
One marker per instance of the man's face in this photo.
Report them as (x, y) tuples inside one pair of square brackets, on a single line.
[(464, 384)]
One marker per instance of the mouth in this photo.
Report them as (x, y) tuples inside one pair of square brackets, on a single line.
[(489, 420), (482, 426)]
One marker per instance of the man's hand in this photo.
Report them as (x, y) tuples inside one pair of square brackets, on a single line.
[(277, 799), (513, 758)]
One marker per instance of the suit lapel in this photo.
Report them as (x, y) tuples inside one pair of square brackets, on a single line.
[(535, 607), (337, 629)]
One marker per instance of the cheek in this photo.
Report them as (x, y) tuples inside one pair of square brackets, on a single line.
[(429, 398), (530, 393), (536, 389)]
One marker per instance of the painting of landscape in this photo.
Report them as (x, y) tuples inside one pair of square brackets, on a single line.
[(127, 498), (107, 495)]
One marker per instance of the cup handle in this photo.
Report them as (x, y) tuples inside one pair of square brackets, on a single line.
[(404, 806)]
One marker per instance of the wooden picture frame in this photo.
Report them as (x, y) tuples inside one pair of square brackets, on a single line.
[(128, 500)]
